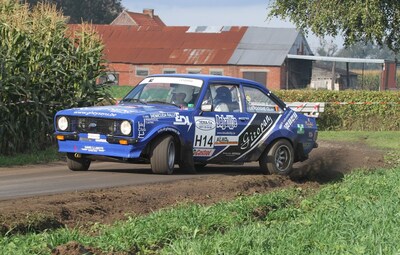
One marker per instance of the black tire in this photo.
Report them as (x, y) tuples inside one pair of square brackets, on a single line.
[(162, 157), (278, 159), (77, 163)]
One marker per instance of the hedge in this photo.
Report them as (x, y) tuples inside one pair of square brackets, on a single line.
[(364, 110)]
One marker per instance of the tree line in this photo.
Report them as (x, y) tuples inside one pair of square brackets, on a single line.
[(91, 11), (373, 21)]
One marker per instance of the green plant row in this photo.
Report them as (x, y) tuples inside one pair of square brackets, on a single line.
[(43, 68), (379, 110)]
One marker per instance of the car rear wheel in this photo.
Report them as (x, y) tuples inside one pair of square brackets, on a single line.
[(278, 159), (162, 158), (76, 162)]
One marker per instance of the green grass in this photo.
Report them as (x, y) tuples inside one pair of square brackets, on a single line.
[(119, 92), (49, 155), (358, 216), (381, 139)]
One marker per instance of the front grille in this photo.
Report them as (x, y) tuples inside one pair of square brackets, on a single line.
[(96, 125)]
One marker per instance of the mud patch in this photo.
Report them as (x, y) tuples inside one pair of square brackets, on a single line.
[(74, 248), (332, 160)]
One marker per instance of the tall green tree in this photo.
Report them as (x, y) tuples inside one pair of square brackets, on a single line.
[(375, 21), (92, 11)]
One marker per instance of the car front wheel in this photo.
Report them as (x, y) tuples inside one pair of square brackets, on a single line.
[(278, 159), (162, 158), (75, 163)]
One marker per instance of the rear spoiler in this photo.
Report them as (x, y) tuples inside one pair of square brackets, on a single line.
[(311, 109)]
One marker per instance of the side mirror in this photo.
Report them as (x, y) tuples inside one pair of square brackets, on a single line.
[(206, 107)]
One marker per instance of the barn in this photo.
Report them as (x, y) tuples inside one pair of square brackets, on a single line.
[(140, 44), (256, 53)]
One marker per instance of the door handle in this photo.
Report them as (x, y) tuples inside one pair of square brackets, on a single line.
[(244, 118)]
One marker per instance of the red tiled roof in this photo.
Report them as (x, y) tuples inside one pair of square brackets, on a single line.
[(168, 45), (145, 20)]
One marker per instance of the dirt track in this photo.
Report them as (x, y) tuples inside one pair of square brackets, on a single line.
[(328, 163)]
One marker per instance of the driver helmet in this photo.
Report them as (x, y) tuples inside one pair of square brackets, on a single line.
[(185, 89)]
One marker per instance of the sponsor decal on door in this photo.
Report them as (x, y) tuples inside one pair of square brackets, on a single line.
[(204, 134)]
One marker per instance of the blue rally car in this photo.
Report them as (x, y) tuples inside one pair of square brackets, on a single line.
[(189, 121)]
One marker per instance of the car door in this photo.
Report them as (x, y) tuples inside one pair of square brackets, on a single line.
[(237, 133), (217, 132), (265, 113)]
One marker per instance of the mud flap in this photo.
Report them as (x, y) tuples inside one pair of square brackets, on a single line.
[(186, 162), (299, 153)]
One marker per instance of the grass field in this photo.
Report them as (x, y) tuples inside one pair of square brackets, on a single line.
[(49, 155), (358, 215), (119, 92), (381, 139)]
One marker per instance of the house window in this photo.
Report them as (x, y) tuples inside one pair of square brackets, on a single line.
[(216, 72), (258, 76), (169, 71), (142, 72), (194, 71)]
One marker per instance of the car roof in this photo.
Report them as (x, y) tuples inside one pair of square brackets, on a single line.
[(207, 78), (211, 78)]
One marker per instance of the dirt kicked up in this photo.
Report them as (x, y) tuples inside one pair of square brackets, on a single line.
[(328, 163)]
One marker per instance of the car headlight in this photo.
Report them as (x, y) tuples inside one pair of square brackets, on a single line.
[(62, 123), (126, 127)]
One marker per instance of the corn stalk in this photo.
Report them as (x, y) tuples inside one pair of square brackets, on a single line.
[(43, 68)]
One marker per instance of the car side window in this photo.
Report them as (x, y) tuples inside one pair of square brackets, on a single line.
[(224, 98), (259, 102)]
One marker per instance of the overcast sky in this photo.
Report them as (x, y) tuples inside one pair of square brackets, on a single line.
[(213, 13)]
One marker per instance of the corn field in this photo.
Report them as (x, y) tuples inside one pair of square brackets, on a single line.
[(44, 67)]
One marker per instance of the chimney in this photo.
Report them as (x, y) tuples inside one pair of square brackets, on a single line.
[(149, 12)]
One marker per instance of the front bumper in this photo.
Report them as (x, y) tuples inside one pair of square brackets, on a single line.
[(109, 138), (96, 144)]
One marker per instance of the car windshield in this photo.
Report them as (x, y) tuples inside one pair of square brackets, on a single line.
[(181, 92)]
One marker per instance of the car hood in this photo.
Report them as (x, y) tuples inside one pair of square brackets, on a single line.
[(119, 111)]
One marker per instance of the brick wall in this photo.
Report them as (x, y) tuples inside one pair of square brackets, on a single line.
[(276, 78)]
